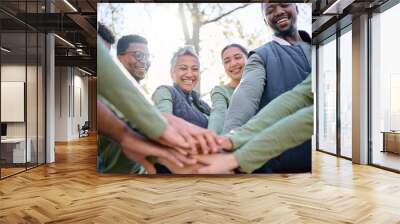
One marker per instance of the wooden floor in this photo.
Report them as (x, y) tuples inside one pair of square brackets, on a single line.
[(5, 172), (71, 191), (10, 171)]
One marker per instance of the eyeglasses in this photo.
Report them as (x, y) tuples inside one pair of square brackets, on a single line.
[(138, 55)]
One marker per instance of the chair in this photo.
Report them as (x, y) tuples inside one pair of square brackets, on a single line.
[(84, 130)]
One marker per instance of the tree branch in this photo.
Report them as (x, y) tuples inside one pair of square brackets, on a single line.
[(224, 14), (184, 24)]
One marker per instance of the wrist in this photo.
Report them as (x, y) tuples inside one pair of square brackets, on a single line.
[(121, 134), (233, 162), (227, 143)]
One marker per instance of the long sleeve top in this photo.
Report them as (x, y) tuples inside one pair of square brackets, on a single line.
[(220, 97), (246, 99), (285, 122), (123, 92)]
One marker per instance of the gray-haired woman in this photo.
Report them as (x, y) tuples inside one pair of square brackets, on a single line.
[(180, 99)]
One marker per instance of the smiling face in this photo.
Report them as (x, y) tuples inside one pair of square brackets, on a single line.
[(186, 72), (234, 60), (135, 60), (281, 17)]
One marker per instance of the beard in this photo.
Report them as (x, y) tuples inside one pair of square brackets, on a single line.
[(284, 32)]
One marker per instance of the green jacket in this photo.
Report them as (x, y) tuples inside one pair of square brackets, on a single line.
[(121, 93), (285, 122), (111, 159), (220, 97), (116, 86)]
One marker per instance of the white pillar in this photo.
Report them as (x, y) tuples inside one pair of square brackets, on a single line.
[(50, 99), (360, 90)]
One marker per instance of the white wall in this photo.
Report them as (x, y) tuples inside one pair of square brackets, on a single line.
[(16, 73), (12, 73), (33, 126), (71, 94), (61, 103)]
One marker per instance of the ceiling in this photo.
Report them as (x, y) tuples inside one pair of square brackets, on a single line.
[(330, 15), (74, 21)]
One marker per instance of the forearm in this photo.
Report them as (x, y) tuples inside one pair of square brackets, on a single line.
[(218, 111), (119, 90), (284, 105), (216, 121), (283, 135), (246, 98), (109, 124), (114, 128)]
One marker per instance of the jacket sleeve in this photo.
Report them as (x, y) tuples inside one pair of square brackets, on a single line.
[(246, 98), (162, 99), (218, 111), (286, 104), (287, 133), (121, 90)]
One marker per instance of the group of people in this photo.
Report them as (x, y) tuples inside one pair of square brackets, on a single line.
[(261, 121)]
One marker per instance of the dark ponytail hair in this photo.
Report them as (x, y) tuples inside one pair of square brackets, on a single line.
[(241, 48)]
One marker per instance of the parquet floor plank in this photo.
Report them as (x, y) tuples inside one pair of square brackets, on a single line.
[(71, 191)]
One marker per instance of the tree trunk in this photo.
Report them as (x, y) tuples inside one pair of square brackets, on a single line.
[(196, 24), (184, 24)]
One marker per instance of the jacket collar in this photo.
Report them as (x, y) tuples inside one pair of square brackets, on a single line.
[(303, 35)]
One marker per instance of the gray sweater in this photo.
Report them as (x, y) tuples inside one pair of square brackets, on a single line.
[(246, 99)]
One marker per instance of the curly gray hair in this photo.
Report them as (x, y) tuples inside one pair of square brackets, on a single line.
[(186, 50)]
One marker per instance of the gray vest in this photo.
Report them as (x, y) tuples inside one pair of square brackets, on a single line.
[(183, 106), (286, 66)]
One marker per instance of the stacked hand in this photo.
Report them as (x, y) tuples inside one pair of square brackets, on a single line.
[(185, 135), (205, 149), (137, 148), (183, 147)]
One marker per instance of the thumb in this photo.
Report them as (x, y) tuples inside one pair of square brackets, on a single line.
[(203, 159), (148, 166), (205, 170)]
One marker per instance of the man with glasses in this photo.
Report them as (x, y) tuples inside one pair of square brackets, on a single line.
[(133, 53)]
